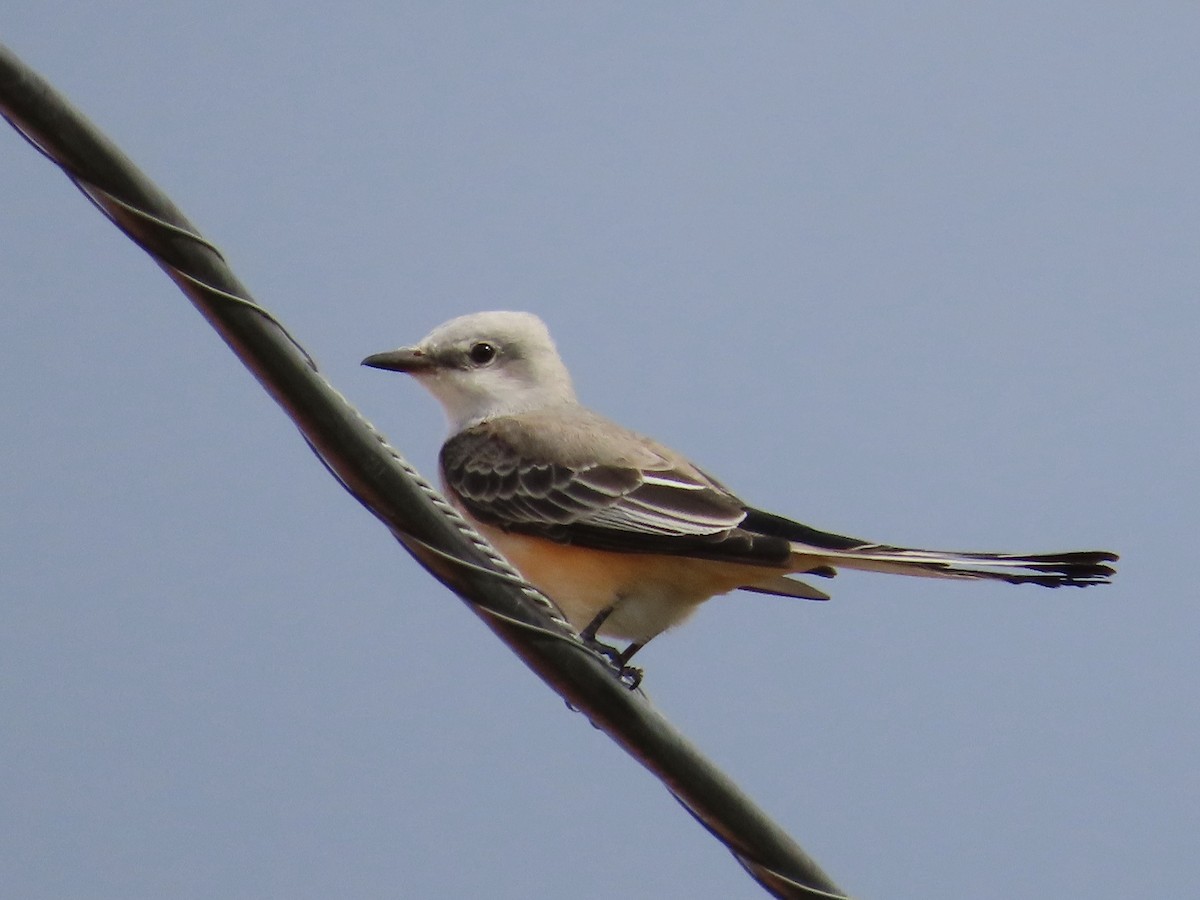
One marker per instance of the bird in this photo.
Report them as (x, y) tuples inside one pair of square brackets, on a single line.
[(625, 535)]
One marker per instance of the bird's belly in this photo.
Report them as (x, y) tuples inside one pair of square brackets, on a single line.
[(648, 593)]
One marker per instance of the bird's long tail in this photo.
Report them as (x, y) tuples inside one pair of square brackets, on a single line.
[(1076, 569), (812, 548)]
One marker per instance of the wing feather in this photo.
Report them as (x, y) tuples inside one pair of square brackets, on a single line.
[(635, 496)]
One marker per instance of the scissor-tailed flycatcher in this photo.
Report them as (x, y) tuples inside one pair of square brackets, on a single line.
[(625, 535)]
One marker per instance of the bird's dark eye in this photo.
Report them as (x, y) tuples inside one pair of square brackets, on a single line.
[(482, 353)]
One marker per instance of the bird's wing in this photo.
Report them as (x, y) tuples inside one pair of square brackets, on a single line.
[(582, 480)]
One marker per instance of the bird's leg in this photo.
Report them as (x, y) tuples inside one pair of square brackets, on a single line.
[(631, 675), (625, 655), (589, 633)]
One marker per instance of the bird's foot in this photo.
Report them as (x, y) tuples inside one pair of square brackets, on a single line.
[(618, 659), (631, 676)]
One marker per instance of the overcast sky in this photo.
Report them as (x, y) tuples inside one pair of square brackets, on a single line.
[(924, 273)]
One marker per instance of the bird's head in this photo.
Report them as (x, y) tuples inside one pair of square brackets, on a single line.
[(485, 365)]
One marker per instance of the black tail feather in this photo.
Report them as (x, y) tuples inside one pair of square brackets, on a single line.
[(1077, 568)]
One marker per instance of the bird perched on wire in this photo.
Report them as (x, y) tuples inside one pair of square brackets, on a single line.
[(625, 535)]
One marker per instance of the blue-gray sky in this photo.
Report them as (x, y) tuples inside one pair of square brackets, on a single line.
[(922, 273)]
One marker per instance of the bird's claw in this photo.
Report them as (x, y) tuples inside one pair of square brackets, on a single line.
[(630, 675)]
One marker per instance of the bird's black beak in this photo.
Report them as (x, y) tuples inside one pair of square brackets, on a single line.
[(406, 359)]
